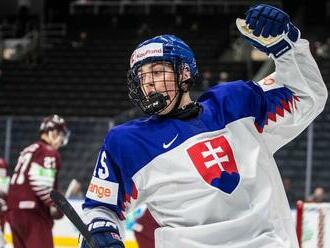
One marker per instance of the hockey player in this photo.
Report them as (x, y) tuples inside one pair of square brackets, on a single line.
[(144, 233), (30, 209), (4, 183), (205, 169)]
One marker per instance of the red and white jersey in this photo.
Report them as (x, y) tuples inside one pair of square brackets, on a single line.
[(35, 176), (4, 179), (4, 184), (3, 168), (212, 181)]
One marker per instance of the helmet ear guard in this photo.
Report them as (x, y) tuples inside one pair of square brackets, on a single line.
[(186, 84)]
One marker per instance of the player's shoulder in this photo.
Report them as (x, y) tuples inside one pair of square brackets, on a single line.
[(32, 148), (237, 92), (46, 156), (41, 149), (141, 127), (46, 147), (135, 134), (235, 100), (228, 89)]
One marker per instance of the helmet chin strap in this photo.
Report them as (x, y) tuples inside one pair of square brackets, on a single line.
[(177, 103), (188, 111)]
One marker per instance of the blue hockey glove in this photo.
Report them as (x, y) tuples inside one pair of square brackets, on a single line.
[(105, 234), (269, 29)]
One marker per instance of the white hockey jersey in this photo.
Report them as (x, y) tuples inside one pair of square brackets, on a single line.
[(211, 181)]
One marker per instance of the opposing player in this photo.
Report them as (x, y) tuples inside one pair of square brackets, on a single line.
[(30, 209), (205, 169), (4, 183), (144, 231)]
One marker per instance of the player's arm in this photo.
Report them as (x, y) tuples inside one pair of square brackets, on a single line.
[(106, 199), (42, 176), (295, 94)]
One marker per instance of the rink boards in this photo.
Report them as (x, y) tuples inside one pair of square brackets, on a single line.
[(66, 235)]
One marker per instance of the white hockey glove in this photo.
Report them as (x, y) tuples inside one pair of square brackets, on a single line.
[(269, 29)]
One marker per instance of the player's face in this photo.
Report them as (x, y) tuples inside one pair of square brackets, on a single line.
[(56, 139), (159, 77)]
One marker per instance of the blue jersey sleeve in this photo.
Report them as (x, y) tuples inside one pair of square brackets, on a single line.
[(110, 187), (236, 100)]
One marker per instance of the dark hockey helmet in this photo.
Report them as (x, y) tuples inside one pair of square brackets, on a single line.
[(168, 49), (55, 122)]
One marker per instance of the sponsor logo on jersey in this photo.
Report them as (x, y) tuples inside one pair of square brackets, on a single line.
[(150, 50), (269, 83), (215, 162), (103, 191)]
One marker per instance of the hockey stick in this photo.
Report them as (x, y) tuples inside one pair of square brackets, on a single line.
[(63, 204)]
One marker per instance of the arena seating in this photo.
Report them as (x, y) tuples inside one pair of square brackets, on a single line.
[(87, 78)]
